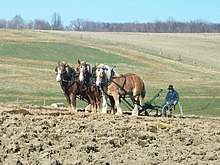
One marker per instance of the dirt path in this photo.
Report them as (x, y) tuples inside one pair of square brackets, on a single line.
[(38, 135)]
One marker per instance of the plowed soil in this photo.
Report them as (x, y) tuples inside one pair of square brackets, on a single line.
[(41, 135)]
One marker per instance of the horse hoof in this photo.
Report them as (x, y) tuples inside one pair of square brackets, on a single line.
[(73, 111), (119, 113)]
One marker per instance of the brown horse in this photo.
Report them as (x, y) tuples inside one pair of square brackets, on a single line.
[(120, 85), (87, 77), (69, 82)]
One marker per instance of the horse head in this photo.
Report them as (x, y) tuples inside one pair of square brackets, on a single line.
[(63, 71), (103, 74), (85, 70)]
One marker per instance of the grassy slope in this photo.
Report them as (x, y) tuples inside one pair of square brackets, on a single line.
[(28, 58)]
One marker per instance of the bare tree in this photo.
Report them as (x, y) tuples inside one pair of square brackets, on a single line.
[(3, 23), (17, 22), (77, 24), (56, 22), (169, 26), (41, 24), (30, 25)]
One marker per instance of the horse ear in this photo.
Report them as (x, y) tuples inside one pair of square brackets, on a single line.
[(104, 67), (113, 68), (79, 62), (77, 68)]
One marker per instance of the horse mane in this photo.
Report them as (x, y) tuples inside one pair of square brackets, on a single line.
[(108, 70), (88, 66)]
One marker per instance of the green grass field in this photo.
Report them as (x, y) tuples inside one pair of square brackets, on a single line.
[(188, 61)]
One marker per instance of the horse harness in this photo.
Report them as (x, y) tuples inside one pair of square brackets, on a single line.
[(107, 83), (90, 78), (71, 78), (111, 80)]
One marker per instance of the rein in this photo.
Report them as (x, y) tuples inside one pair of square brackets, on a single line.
[(65, 80), (107, 83), (111, 80), (121, 87)]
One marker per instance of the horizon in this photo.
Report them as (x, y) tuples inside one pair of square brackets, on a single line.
[(114, 11)]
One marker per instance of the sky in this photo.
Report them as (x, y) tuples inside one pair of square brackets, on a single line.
[(113, 11)]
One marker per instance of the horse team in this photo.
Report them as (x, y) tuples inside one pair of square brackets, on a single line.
[(92, 83)]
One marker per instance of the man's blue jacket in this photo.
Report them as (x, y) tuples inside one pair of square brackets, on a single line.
[(172, 97)]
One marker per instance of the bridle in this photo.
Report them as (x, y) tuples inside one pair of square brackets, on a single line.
[(104, 79), (84, 69), (106, 82), (65, 77)]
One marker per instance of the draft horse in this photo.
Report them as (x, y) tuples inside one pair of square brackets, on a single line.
[(87, 77), (119, 86), (69, 82)]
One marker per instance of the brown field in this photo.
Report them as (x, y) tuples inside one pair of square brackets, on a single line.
[(40, 135)]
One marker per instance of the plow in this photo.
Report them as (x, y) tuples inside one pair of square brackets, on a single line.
[(148, 107)]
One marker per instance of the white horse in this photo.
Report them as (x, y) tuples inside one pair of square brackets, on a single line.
[(119, 85)]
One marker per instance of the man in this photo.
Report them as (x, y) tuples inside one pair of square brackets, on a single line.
[(171, 100)]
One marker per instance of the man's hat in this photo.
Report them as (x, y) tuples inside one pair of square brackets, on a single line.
[(170, 87)]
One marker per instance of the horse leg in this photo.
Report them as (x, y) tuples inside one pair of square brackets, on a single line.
[(68, 100), (117, 103), (135, 110), (73, 103), (93, 105), (98, 104), (91, 100), (104, 103), (97, 99), (112, 102)]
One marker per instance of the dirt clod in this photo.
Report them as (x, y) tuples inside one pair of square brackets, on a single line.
[(37, 136)]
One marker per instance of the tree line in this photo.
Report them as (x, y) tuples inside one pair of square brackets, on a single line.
[(169, 26), (17, 22)]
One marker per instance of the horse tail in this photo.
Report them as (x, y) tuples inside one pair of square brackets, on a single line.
[(143, 92)]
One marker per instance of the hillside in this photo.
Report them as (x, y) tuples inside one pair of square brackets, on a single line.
[(188, 61)]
